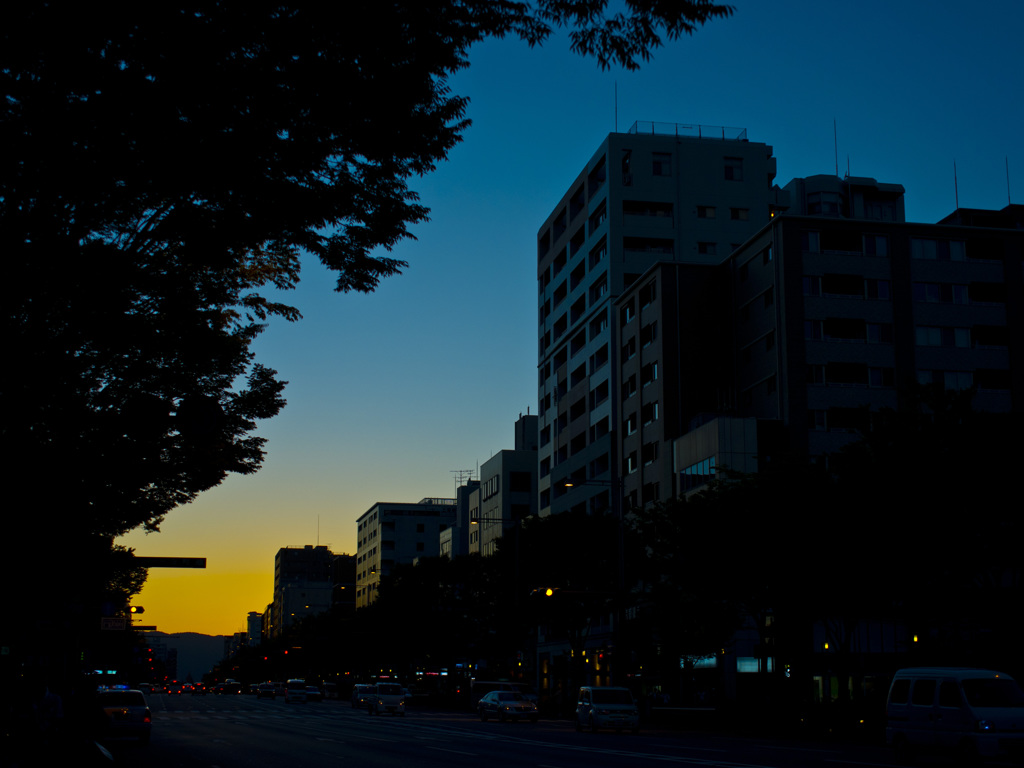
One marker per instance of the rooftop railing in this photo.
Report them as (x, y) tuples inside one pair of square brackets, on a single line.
[(692, 131)]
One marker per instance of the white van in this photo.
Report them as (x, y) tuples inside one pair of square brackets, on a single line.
[(976, 712)]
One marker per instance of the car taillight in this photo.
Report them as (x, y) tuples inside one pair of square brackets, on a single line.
[(147, 718)]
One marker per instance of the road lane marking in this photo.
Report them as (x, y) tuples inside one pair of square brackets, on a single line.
[(454, 751)]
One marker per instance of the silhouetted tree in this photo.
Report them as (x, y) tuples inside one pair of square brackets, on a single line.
[(162, 165)]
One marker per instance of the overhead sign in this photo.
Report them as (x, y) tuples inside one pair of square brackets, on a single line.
[(113, 622), (171, 562)]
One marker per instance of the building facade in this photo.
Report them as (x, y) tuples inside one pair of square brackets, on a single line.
[(507, 492), (832, 311), (686, 194), (392, 533), (303, 585)]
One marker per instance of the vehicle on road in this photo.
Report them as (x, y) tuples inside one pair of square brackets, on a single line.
[(479, 688), (387, 697), (361, 695), (313, 693), (295, 690), (126, 713), (265, 691), (974, 713), (330, 690), (506, 705), (606, 707)]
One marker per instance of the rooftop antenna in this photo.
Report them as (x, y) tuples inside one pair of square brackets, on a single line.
[(956, 191), (616, 106), (1008, 200), (835, 141), (461, 475)]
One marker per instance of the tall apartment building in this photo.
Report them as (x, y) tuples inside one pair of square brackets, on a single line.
[(661, 192), (392, 533)]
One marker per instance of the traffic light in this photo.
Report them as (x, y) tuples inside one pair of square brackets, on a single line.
[(136, 609)]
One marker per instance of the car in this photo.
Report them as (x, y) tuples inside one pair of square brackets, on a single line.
[(266, 691), (198, 689), (970, 713), (506, 705), (606, 707), (313, 693), (330, 690), (387, 697), (126, 713), (295, 690), (361, 694)]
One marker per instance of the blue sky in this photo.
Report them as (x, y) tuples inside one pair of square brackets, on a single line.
[(392, 391)]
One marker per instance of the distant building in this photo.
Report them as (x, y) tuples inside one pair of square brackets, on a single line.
[(390, 533), (343, 581), (507, 490), (254, 628), (303, 584), (454, 540)]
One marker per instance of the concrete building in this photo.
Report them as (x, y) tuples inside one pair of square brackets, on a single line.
[(391, 533), (302, 585), (661, 192), (833, 310), (254, 628), (507, 491), (343, 582), (454, 540)]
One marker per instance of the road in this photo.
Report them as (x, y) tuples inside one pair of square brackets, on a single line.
[(243, 732)]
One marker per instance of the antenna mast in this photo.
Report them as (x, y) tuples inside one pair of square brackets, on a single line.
[(461, 476)]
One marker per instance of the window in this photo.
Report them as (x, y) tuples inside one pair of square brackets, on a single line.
[(598, 217), (649, 453), (599, 394), (932, 336), (662, 164), (739, 214), (648, 294), (598, 253), (628, 312), (876, 245), (629, 387), (937, 250), (734, 169), (648, 334), (629, 349), (649, 374), (810, 242), (629, 424), (649, 413), (705, 211), (707, 249), (629, 466)]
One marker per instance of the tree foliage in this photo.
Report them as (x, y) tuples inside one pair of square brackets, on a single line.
[(164, 164)]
